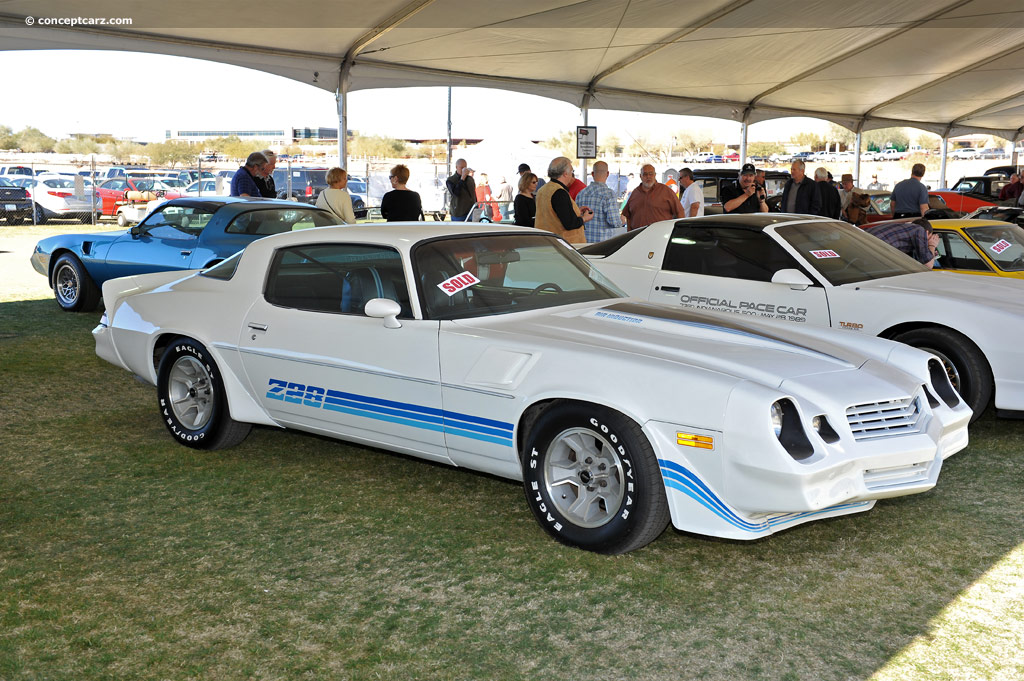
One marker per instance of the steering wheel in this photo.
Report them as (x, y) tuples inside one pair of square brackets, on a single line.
[(546, 285)]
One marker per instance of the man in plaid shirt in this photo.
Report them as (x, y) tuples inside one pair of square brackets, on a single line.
[(601, 199)]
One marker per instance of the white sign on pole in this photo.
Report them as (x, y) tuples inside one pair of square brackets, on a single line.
[(586, 141)]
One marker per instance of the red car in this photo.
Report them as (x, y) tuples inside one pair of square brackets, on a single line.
[(114, 192), (971, 193)]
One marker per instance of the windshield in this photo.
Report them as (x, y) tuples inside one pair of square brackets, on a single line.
[(484, 275), (1003, 244), (844, 254)]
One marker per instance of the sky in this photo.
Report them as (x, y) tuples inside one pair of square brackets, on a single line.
[(78, 91)]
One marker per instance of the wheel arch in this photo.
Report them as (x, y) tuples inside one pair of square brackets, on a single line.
[(533, 412), (242, 405), (67, 250)]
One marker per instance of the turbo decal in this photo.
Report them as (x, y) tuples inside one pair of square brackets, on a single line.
[(453, 285)]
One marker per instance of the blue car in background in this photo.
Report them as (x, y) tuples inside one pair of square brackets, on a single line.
[(181, 234)]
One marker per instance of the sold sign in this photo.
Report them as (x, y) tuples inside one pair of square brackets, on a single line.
[(1001, 245), (455, 284)]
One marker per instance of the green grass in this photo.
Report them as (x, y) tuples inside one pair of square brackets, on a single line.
[(126, 556)]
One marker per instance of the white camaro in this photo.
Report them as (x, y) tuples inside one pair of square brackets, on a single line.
[(819, 272), (504, 351)]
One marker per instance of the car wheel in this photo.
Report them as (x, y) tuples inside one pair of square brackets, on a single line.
[(592, 479), (73, 288), (122, 221), (190, 395), (40, 215), (967, 368)]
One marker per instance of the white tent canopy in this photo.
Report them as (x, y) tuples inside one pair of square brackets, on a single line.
[(950, 66)]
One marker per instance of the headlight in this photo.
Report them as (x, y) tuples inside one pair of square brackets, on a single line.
[(789, 429), (777, 418)]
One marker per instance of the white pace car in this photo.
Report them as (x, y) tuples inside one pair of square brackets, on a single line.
[(820, 272), (504, 351)]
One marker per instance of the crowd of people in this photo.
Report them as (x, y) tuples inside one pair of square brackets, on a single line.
[(587, 213)]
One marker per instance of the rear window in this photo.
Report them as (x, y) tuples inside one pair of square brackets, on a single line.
[(609, 246)]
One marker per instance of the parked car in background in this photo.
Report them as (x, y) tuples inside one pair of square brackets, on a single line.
[(891, 155), (208, 187), (1011, 214), (122, 191), (56, 197), (973, 192), (501, 350), (15, 204), (879, 207), (121, 171), (987, 247), (992, 152), (178, 235), (818, 272), (306, 183), (964, 154), (15, 170)]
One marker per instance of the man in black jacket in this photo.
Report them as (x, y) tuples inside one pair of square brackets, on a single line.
[(801, 193), (831, 202), (266, 181)]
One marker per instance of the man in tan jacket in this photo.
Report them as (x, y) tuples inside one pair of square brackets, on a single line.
[(556, 210)]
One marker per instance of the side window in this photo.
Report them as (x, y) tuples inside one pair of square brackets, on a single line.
[(956, 254), (719, 252), (176, 222), (338, 278), (710, 189), (277, 221)]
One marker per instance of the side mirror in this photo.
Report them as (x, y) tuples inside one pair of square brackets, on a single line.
[(136, 231), (386, 309), (794, 279)]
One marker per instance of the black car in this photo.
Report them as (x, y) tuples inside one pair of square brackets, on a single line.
[(713, 179), (307, 183), (1009, 214), (15, 204)]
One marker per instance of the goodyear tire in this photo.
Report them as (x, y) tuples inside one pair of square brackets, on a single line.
[(190, 395), (73, 288), (968, 370), (592, 479)]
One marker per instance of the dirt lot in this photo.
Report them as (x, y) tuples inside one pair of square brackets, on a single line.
[(18, 281)]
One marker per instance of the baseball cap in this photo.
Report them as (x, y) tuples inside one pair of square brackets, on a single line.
[(748, 169), (523, 166)]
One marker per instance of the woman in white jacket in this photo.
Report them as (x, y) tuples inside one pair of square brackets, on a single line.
[(336, 198)]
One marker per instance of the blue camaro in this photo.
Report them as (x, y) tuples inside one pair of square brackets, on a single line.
[(181, 234)]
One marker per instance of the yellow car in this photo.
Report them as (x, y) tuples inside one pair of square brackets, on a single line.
[(987, 247)]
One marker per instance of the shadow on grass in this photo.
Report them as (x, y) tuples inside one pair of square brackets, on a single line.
[(123, 554)]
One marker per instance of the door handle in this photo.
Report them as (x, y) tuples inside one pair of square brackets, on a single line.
[(668, 289), (186, 253), (257, 327)]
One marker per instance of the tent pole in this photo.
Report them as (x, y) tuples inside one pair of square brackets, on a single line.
[(856, 159), (586, 118), (448, 156), (743, 141), (942, 165)]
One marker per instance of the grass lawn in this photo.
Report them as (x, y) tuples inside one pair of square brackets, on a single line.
[(126, 556)]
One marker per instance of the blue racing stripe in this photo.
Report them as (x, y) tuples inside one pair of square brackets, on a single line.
[(683, 480)]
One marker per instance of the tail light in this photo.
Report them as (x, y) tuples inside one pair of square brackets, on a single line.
[(309, 190), (60, 195)]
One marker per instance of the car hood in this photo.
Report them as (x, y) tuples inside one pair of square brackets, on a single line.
[(764, 352), (1003, 293)]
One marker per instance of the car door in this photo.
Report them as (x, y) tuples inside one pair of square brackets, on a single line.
[(318, 363), (164, 241), (728, 269), (110, 192)]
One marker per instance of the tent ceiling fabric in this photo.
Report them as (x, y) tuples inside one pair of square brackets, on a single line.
[(947, 66)]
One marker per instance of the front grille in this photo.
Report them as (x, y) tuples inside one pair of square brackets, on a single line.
[(884, 419), (897, 476)]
